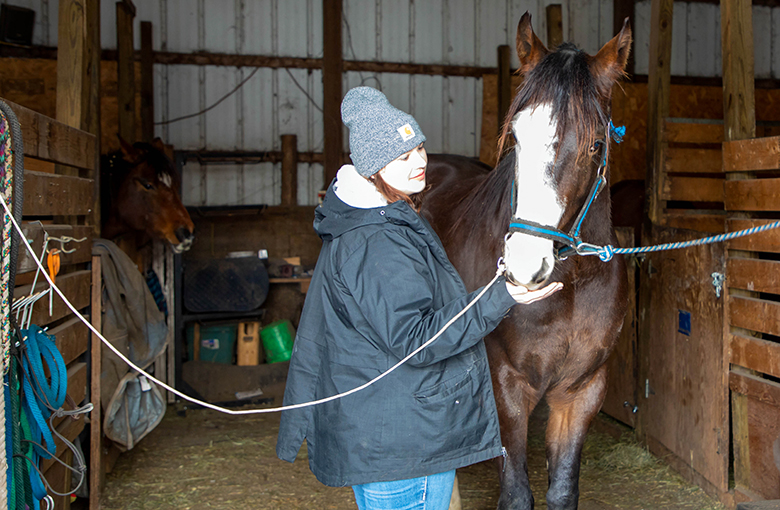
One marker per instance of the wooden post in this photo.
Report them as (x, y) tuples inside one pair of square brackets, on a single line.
[(125, 70), (78, 80), (332, 70), (289, 170), (504, 83), (622, 9), (147, 83), (96, 473), (739, 103), (555, 25), (739, 122), (658, 87)]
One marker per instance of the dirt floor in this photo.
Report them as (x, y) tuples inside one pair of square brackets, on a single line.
[(200, 459)]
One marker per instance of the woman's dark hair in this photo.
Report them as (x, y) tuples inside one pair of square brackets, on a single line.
[(393, 195)]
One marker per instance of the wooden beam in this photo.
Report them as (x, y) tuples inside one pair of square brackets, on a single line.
[(658, 88), (754, 274), (125, 72), (147, 82), (54, 141), (756, 388), (332, 74), (289, 170), (96, 472), (555, 25), (739, 103), (56, 195), (755, 354), (752, 195), (504, 84), (752, 155)]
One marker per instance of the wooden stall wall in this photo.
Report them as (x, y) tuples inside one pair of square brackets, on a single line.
[(58, 200), (752, 331)]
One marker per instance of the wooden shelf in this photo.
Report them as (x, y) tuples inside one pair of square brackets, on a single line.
[(303, 281)]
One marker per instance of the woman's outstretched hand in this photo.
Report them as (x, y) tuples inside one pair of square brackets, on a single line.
[(524, 296)]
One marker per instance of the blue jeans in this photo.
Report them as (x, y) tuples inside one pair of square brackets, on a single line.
[(425, 493)]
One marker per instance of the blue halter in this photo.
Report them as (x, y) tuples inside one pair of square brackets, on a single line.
[(571, 241)]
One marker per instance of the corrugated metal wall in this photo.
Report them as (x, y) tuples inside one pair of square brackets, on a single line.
[(274, 102)]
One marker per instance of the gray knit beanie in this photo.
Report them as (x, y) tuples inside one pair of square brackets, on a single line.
[(378, 132)]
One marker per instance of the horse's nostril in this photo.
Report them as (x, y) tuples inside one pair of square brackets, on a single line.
[(543, 273), (183, 234)]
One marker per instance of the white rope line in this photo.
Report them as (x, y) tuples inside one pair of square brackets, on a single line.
[(242, 411)]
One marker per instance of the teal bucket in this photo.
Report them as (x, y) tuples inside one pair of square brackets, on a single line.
[(277, 340)]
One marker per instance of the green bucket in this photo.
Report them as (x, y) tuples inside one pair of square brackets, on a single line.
[(277, 340)]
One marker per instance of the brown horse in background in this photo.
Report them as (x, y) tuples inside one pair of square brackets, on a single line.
[(140, 194), (555, 348)]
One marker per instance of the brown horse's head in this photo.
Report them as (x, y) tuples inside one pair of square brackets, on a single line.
[(560, 120), (146, 198)]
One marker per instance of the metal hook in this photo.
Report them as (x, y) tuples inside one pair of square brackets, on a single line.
[(66, 239), (49, 502)]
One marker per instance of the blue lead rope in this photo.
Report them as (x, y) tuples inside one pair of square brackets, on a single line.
[(606, 253)]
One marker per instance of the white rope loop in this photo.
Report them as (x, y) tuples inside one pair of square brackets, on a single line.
[(241, 411)]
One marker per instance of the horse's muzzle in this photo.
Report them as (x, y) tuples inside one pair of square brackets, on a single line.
[(185, 237)]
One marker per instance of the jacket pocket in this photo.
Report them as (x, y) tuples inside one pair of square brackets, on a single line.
[(446, 389)]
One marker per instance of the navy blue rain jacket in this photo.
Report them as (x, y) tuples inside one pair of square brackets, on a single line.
[(382, 287)]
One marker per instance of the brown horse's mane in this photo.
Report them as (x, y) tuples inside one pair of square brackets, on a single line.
[(562, 79)]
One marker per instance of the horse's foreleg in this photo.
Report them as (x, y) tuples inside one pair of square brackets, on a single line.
[(515, 403), (570, 415)]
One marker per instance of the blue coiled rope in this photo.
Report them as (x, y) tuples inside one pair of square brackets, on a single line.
[(38, 347)]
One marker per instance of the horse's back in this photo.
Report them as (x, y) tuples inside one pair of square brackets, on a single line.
[(449, 179)]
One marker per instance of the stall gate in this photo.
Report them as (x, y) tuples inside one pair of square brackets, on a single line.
[(752, 328), (59, 163)]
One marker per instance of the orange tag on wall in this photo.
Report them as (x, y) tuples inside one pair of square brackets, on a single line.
[(53, 261)]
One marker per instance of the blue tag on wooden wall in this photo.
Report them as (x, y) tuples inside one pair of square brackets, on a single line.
[(684, 322)]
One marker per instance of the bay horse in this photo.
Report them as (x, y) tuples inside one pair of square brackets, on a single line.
[(555, 348), (140, 191)]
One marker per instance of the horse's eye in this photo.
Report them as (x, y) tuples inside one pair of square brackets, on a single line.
[(146, 184), (595, 147)]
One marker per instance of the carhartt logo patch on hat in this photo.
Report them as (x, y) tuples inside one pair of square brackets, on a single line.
[(406, 132)]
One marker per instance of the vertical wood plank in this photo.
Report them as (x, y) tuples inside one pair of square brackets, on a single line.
[(555, 25), (658, 87), (739, 103), (289, 170), (332, 69), (70, 63), (739, 122), (504, 84), (147, 83), (96, 472), (125, 72), (170, 294)]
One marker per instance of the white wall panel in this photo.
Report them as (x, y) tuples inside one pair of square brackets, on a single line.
[(359, 31), (183, 25), (262, 184), (680, 40), (311, 179), (258, 106), (219, 25), (221, 122), (762, 41), (259, 28), (640, 27), (183, 99), (222, 184), (428, 29), (460, 42), (703, 47), (776, 43), (393, 31)]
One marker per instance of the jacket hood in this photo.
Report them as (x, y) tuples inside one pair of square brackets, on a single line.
[(352, 202)]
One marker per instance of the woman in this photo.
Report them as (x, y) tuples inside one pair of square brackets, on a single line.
[(382, 287)]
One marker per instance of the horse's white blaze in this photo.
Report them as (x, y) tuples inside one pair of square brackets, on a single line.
[(166, 179), (530, 259)]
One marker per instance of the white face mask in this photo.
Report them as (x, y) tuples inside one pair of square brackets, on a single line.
[(407, 172)]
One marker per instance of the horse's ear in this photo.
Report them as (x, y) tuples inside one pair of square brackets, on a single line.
[(158, 144), (530, 49), (610, 62), (129, 152)]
